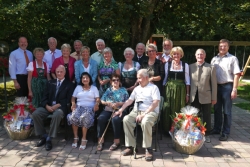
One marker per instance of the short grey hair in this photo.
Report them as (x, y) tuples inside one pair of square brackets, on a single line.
[(107, 49), (52, 38), (141, 44), (204, 52), (66, 46), (61, 66), (128, 49), (77, 41), (100, 40), (85, 48), (152, 46), (171, 42), (143, 72)]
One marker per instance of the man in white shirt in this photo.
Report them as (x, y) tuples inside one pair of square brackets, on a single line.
[(98, 56), (53, 53), (77, 47), (167, 46), (147, 114)]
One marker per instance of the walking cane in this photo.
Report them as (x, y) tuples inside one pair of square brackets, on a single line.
[(106, 128), (136, 128)]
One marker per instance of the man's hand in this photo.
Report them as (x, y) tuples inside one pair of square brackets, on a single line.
[(233, 94), (119, 113), (49, 108), (213, 102), (139, 118), (16, 85)]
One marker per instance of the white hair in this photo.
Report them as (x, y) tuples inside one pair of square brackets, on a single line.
[(128, 49), (141, 44), (143, 72), (171, 42), (100, 40), (52, 38), (77, 41), (151, 45)]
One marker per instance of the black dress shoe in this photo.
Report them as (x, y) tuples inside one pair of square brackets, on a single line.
[(214, 132), (41, 142), (48, 145), (223, 137)]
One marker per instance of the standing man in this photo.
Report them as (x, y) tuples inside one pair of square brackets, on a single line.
[(148, 113), (228, 73), (77, 47), (98, 56), (18, 62), (55, 101), (167, 46), (140, 56), (53, 53), (203, 89)]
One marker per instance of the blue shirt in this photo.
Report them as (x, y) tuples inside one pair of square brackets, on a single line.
[(92, 70), (114, 96), (17, 62), (48, 56)]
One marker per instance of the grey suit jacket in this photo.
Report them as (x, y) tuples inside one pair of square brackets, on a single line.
[(204, 80)]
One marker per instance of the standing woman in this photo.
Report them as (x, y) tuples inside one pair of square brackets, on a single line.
[(86, 64), (67, 61), (83, 113), (154, 66), (177, 82), (129, 70), (106, 68), (38, 74)]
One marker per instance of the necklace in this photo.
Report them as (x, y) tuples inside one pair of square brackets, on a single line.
[(176, 65), (86, 88)]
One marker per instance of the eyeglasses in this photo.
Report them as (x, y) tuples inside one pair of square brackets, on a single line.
[(115, 80), (151, 51)]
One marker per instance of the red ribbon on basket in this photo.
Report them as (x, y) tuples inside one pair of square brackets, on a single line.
[(21, 106), (188, 117)]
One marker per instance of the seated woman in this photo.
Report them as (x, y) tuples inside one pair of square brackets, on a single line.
[(38, 75), (83, 113), (129, 70), (106, 68), (113, 98)]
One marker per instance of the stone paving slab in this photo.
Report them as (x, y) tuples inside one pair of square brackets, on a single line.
[(232, 153)]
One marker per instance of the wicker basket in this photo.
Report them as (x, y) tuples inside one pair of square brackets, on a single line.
[(24, 134), (187, 149)]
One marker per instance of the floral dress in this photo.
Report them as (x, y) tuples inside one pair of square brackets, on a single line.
[(105, 72)]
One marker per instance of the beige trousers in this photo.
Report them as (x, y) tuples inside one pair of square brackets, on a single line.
[(146, 125)]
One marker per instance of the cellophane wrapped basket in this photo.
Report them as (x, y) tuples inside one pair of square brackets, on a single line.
[(187, 131), (18, 122)]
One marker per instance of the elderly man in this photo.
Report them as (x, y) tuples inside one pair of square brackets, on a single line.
[(203, 89), (227, 73), (98, 56), (77, 47), (149, 94), (53, 53), (140, 56), (56, 97), (167, 46), (18, 62)]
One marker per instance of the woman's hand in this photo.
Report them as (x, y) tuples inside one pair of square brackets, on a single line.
[(114, 105), (30, 94), (73, 107), (96, 108), (187, 98)]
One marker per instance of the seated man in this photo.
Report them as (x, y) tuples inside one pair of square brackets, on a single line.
[(149, 94), (56, 97)]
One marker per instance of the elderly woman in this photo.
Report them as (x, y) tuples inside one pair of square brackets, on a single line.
[(106, 68), (154, 66), (86, 64), (38, 74), (113, 98), (129, 70), (67, 61), (177, 83), (82, 115)]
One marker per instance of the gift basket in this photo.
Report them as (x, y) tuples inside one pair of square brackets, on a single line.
[(187, 131), (18, 122)]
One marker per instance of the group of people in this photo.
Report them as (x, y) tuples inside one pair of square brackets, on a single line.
[(57, 79)]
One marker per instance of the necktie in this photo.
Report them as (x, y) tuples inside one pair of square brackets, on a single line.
[(53, 57), (57, 87), (26, 58)]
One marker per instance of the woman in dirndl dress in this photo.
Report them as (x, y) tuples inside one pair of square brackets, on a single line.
[(177, 83), (83, 112), (129, 70)]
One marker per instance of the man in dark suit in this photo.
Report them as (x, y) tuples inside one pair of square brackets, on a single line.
[(203, 89), (140, 56), (56, 97)]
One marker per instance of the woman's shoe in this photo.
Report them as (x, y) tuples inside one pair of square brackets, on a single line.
[(114, 146), (82, 147), (74, 145), (99, 147)]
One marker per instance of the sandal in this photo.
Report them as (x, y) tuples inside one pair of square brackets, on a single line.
[(114, 146), (82, 147), (74, 145), (99, 147)]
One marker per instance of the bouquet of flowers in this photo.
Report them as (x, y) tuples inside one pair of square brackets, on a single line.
[(187, 130), (17, 120)]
